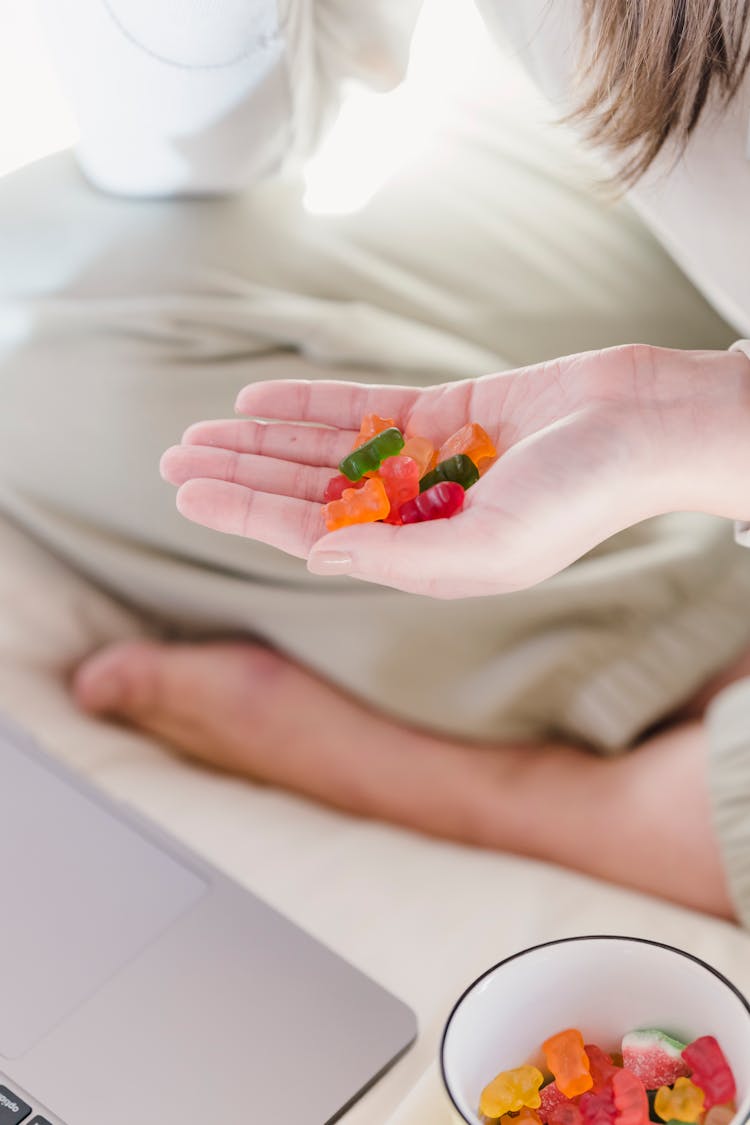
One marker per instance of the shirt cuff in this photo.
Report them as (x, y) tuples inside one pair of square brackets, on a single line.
[(742, 527)]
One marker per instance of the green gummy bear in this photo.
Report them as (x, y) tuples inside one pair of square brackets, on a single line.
[(370, 456), (460, 469)]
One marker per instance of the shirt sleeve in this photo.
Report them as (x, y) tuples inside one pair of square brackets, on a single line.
[(177, 97), (742, 527)]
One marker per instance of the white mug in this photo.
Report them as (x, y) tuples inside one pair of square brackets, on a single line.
[(602, 984)]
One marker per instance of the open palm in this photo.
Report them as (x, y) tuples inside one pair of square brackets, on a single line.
[(574, 453)]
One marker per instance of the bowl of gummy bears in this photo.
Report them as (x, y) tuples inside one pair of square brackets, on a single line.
[(599, 1030)]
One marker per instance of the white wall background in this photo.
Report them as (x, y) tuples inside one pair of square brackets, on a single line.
[(34, 119)]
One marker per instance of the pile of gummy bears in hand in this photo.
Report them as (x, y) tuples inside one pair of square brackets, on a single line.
[(405, 480), (654, 1078)]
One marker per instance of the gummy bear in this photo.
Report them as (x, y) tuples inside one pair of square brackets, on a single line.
[(400, 475), (471, 440), (422, 451), (683, 1102), (720, 1114), (369, 457), (358, 505), (598, 1106), (600, 1064), (568, 1062), (336, 486), (510, 1090), (710, 1070), (459, 468), (567, 1113), (631, 1100), (551, 1096), (372, 425), (439, 502)]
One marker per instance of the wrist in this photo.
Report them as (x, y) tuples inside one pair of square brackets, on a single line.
[(697, 423)]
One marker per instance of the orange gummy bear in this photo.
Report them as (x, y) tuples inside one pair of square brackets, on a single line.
[(358, 505), (421, 450), (372, 425), (569, 1063), (472, 441)]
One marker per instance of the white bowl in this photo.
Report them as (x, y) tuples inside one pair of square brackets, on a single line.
[(604, 985)]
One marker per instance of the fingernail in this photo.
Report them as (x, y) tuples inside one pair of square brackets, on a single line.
[(330, 562)]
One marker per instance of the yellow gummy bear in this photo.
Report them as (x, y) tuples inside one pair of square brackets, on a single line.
[(682, 1102), (510, 1090)]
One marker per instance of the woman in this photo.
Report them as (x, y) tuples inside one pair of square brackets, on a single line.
[(471, 719)]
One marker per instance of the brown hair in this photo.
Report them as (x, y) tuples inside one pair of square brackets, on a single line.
[(650, 67)]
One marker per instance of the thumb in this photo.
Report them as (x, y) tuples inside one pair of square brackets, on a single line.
[(435, 558)]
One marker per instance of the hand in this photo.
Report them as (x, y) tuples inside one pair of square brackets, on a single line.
[(589, 445)]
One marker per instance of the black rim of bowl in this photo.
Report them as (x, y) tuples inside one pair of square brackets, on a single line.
[(567, 941)]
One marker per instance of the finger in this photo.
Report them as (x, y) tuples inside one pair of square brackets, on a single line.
[(182, 463), (436, 558), (307, 445), (285, 522), (332, 403)]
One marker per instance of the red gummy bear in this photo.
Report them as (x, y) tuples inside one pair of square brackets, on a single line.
[(710, 1070), (601, 1065), (598, 1106), (631, 1099), (440, 502), (566, 1113), (336, 485), (400, 475)]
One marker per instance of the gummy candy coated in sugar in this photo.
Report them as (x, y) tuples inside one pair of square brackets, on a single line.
[(510, 1090), (369, 457), (598, 1106), (372, 425), (551, 1095), (682, 1102), (400, 475), (472, 440), (437, 503), (336, 486), (600, 1064), (654, 1056), (358, 505), (567, 1060), (631, 1100), (460, 469), (422, 451), (710, 1070)]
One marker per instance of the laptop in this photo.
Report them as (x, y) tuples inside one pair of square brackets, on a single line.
[(140, 986)]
